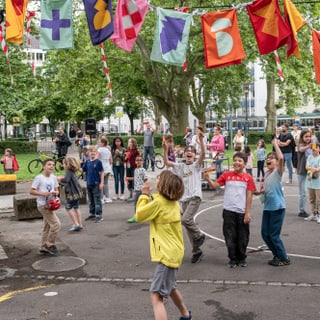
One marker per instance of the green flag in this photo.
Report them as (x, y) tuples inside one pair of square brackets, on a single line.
[(56, 24)]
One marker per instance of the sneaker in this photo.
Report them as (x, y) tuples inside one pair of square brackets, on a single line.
[(318, 219), (199, 242), (75, 228), (98, 219), (272, 260), (312, 217), (116, 197), (130, 199), (121, 197), (303, 214), (108, 200), (232, 264), (52, 250), (242, 263), (132, 220), (289, 182), (90, 217), (262, 180), (197, 257), (258, 180), (188, 318), (280, 263), (152, 169)]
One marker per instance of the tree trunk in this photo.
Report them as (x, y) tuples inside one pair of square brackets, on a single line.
[(271, 109)]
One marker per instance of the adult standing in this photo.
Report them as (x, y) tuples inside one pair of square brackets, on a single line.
[(304, 147), (62, 143), (79, 136), (188, 137), (196, 142), (148, 144), (296, 136), (216, 147), (72, 136), (286, 144), (239, 140)]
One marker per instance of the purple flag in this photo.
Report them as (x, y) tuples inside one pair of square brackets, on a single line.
[(100, 21)]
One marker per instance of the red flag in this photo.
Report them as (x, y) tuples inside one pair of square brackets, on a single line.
[(270, 29), (296, 22), (316, 53), (15, 15), (128, 21), (221, 37)]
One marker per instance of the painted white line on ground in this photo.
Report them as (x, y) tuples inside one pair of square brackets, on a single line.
[(249, 248)]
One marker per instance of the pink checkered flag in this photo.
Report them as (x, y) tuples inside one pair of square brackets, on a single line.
[(128, 21)]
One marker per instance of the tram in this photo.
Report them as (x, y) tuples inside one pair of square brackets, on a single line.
[(304, 120), (254, 123)]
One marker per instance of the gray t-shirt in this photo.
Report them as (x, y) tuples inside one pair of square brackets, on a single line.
[(191, 176), (148, 138)]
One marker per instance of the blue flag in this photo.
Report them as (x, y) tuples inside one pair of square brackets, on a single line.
[(100, 20), (171, 37), (56, 24)]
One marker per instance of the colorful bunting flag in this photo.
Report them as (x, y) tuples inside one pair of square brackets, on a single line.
[(270, 29), (56, 24), (99, 17), (171, 37), (296, 22), (316, 53), (128, 21), (222, 40), (15, 15)]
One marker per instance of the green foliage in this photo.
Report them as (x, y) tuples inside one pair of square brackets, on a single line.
[(18, 146)]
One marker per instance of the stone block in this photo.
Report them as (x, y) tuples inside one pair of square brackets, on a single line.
[(25, 207), (8, 184), (62, 196)]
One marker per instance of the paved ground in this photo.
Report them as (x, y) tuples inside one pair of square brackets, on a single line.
[(114, 282)]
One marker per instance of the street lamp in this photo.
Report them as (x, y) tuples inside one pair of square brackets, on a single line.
[(246, 92)]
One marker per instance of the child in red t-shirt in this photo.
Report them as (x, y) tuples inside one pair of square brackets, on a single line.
[(239, 187)]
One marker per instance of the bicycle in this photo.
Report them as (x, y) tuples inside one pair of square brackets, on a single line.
[(158, 159), (35, 165)]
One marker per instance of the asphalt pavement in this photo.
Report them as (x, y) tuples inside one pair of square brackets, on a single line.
[(113, 283)]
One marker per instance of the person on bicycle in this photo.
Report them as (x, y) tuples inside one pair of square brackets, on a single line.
[(148, 144)]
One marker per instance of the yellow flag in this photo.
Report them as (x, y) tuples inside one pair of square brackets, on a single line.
[(15, 16)]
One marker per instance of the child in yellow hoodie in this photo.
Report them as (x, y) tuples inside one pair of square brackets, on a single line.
[(162, 210)]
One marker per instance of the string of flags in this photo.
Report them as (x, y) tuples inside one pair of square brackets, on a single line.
[(221, 36)]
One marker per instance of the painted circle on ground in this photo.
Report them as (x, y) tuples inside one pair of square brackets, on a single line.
[(59, 264)]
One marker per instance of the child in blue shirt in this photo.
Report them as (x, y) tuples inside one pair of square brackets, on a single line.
[(95, 180)]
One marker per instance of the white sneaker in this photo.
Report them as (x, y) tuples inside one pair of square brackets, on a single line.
[(122, 197), (312, 217), (108, 200), (103, 201), (318, 218)]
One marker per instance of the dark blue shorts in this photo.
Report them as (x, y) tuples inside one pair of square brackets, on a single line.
[(72, 204)]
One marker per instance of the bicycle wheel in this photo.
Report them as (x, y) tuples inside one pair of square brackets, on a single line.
[(58, 164), (159, 162), (35, 166)]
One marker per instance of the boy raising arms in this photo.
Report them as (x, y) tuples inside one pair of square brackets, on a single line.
[(239, 187), (43, 186), (190, 172)]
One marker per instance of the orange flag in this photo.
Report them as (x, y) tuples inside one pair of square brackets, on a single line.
[(15, 16), (316, 53), (270, 29), (221, 37), (296, 22)]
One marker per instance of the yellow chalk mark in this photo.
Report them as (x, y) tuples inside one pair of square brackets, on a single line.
[(10, 294)]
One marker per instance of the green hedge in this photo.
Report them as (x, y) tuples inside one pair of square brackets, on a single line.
[(18, 146)]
